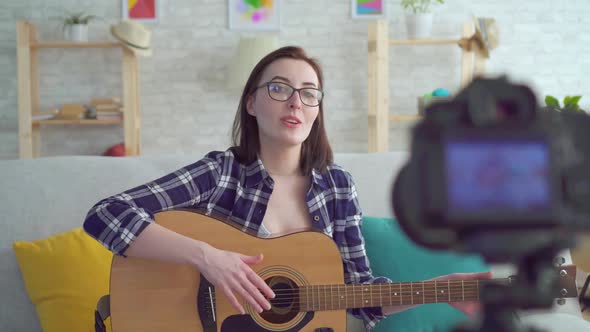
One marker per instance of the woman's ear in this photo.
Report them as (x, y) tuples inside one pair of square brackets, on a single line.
[(250, 105)]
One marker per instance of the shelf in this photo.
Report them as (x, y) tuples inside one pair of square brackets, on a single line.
[(380, 115), (29, 130), (77, 122), (66, 44), (423, 41)]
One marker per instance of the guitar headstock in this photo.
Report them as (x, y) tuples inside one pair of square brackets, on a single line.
[(567, 281)]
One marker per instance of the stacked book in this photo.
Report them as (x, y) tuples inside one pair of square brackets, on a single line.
[(107, 108)]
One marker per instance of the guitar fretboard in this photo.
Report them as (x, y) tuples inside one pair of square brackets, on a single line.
[(337, 297)]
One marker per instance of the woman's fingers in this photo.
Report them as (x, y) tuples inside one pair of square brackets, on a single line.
[(255, 293), (260, 284), (232, 274), (239, 288), (232, 299)]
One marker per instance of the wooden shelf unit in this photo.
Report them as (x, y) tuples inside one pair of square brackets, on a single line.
[(379, 116), (28, 92)]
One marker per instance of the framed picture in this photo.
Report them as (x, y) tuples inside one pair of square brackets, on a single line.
[(254, 15), (141, 10), (368, 8)]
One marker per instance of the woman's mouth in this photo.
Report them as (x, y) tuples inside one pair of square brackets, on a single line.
[(291, 121)]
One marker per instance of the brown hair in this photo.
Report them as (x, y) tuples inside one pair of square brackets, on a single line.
[(315, 151)]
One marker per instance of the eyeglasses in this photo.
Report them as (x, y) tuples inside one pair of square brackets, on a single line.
[(282, 92)]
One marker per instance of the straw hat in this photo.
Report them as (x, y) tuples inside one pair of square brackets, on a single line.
[(134, 36), (485, 38)]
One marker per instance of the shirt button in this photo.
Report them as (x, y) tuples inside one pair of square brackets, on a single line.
[(316, 218)]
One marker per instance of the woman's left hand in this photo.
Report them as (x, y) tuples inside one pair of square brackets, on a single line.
[(470, 308)]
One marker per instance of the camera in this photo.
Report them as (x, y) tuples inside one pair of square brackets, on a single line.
[(492, 173)]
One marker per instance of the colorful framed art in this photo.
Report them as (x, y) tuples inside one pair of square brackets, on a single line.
[(141, 10), (254, 15), (368, 8)]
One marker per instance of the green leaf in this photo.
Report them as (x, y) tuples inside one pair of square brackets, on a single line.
[(572, 101), (551, 101)]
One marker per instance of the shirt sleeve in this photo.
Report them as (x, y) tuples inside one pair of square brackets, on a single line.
[(357, 269), (117, 220)]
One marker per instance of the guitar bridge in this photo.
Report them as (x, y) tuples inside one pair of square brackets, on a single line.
[(206, 305)]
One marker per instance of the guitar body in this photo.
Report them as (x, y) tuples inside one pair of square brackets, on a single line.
[(303, 269), (149, 295)]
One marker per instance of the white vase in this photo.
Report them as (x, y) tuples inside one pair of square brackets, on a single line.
[(419, 26), (77, 32)]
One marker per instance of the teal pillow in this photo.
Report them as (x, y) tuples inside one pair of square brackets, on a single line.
[(392, 254)]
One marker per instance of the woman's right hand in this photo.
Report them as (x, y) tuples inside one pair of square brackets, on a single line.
[(231, 273)]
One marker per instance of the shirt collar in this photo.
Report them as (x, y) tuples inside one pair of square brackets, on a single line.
[(256, 173), (319, 179)]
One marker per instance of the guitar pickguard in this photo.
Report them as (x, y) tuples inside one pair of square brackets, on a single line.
[(240, 323)]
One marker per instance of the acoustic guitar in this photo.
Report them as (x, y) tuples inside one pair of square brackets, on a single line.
[(148, 295)]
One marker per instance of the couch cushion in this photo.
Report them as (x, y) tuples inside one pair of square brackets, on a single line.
[(394, 255), (65, 275)]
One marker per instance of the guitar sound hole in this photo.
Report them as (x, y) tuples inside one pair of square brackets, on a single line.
[(285, 305), (283, 298)]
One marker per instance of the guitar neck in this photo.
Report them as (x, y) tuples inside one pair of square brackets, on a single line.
[(337, 297)]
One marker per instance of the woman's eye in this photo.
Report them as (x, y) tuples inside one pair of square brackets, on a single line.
[(277, 88), (308, 94)]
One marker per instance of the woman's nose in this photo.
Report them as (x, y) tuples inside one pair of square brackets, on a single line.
[(295, 100)]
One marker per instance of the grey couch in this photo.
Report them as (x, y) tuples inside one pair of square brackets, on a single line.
[(45, 196)]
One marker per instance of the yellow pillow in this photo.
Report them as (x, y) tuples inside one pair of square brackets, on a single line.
[(65, 275)]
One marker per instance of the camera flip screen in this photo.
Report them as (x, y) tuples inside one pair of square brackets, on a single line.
[(487, 176)]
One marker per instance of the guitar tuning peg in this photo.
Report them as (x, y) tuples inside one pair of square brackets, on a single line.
[(558, 261), (560, 301)]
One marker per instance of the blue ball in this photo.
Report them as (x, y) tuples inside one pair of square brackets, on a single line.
[(440, 92)]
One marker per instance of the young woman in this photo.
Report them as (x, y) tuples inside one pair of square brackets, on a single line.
[(279, 177)]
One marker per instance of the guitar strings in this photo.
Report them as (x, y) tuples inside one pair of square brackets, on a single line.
[(417, 285), (404, 298), (455, 291), (327, 304), (464, 287), (426, 292)]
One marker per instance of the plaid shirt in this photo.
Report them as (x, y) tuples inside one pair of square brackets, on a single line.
[(220, 185)]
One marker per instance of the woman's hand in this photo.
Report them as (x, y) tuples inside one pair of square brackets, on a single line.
[(470, 308), (231, 273)]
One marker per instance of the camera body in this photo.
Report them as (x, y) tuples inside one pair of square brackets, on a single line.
[(493, 174), (491, 167)]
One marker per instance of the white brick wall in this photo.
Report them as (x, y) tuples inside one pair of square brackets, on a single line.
[(185, 107)]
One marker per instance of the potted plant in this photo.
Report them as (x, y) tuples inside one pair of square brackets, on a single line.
[(75, 26), (570, 103), (419, 17)]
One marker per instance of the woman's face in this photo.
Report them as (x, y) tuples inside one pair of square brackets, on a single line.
[(288, 122)]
